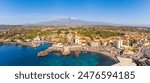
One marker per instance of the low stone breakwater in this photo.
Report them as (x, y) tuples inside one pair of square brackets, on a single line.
[(66, 50)]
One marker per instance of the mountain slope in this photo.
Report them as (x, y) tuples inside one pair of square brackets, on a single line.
[(72, 21)]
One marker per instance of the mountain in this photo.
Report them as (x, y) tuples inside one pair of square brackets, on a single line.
[(72, 21)]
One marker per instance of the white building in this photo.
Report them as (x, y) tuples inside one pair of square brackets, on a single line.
[(77, 40), (119, 43)]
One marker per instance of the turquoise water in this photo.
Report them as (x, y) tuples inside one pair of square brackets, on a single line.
[(12, 55)]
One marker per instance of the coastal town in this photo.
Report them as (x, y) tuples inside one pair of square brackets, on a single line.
[(130, 46)]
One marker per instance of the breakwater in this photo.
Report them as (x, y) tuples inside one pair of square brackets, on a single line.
[(61, 50)]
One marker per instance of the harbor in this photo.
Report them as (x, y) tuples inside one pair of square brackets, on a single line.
[(66, 51), (27, 56)]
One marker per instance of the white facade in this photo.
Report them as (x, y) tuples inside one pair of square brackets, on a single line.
[(77, 40), (119, 43)]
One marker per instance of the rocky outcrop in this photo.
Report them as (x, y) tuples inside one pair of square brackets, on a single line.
[(143, 58), (66, 50), (19, 42), (147, 52), (50, 50)]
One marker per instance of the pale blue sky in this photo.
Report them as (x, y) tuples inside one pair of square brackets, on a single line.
[(136, 12)]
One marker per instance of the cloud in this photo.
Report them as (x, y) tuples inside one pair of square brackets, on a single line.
[(64, 17)]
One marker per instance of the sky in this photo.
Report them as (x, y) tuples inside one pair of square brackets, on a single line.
[(130, 12)]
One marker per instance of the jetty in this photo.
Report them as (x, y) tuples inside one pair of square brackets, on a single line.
[(66, 50), (50, 50)]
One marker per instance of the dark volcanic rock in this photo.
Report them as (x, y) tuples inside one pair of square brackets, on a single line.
[(147, 53)]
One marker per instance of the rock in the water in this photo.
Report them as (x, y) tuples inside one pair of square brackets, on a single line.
[(66, 51)]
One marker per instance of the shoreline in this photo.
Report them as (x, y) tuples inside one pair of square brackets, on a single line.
[(28, 44), (64, 52), (105, 53), (120, 61)]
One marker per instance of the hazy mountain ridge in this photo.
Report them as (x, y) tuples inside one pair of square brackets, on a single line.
[(72, 21)]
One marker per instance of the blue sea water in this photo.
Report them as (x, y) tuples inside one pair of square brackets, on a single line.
[(16, 55)]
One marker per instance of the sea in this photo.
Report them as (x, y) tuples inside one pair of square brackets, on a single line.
[(17, 55)]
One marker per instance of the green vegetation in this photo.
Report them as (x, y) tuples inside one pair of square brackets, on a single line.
[(24, 34), (98, 32), (30, 33)]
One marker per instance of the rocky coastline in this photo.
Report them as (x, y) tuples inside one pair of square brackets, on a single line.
[(67, 50), (32, 44), (141, 60)]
